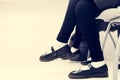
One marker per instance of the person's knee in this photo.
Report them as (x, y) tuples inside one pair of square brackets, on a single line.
[(85, 9), (81, 7)]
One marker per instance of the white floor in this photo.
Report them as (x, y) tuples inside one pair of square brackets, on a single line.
[(27, 30)]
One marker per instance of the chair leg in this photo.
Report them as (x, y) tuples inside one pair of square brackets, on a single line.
[(106, 35), (114, 43), (116, 60)]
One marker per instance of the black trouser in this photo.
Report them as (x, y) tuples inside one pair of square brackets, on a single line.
[(82, 14)]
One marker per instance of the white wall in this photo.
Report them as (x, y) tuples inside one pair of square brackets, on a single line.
[(28, 28)]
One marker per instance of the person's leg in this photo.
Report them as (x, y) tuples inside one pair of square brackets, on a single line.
[(86, 12), (77, 41), (61, 46), (78, 37), (68, 23)]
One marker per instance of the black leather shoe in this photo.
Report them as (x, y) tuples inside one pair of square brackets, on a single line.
[(85, 62), (101, 72), (63, 53), (77, 56), (118, 66)]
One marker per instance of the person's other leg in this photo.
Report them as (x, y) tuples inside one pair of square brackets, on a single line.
[(86, 12), (77, 41), (78, 37)]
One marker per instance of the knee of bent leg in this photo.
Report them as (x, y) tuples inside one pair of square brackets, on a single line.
[(83, 8)]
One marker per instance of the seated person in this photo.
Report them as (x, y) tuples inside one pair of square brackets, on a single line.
[(82, 14)]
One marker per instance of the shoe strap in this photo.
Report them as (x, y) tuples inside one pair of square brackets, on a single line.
[(90, 66), (78, 71), (52, 49)]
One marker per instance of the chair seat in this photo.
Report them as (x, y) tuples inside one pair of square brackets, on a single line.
[(106, 4), (102, 25)]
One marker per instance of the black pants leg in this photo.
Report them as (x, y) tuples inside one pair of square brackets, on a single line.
[(68, 23), (86, 13), (78, 38)]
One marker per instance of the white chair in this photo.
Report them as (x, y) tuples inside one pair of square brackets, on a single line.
[(113, 25)]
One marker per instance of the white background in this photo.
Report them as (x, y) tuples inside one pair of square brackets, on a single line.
[(27, 30)]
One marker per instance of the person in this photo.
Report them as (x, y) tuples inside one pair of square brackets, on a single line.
[(81, 14)]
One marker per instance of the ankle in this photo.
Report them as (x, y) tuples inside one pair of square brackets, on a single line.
[(95, 65), (58, 45), (98, 64)]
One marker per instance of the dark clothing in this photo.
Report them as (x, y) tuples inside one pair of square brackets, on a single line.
[(69, 22), (105, 4), (82, 14)]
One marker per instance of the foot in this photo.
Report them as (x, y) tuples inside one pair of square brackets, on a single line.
[(78, 56), (92, 72), (118, 66), (63, 53), (86, 62), (75, 56)]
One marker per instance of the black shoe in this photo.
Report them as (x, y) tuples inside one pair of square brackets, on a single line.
[(63, 53), (118, 66), (85, 62), (77, 56), (101, 72)]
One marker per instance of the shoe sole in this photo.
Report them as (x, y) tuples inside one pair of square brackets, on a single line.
[(98, 75), (63, 56), (48, 59)]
